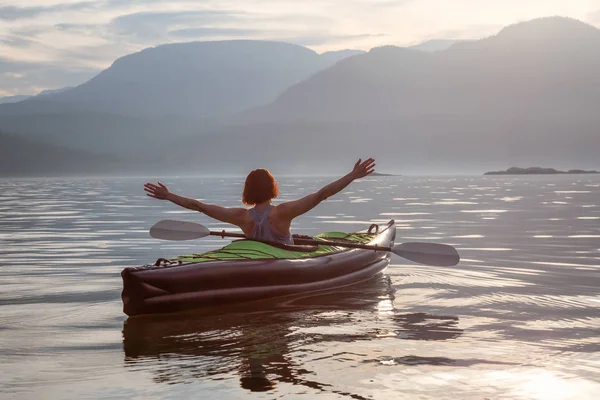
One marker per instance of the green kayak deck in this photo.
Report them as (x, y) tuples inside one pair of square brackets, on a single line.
[(253, 250)]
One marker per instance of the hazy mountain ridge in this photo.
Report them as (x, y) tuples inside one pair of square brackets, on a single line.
[(332, 57), (435, 45), (103, 133), (175, 89), (13, 99), (525, 71), (21, 156), (19, 98), (524, 96), (54, 91), (192, 80), (483, 103)]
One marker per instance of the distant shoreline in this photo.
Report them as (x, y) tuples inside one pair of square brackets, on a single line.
[(539, 171), (380, 174)]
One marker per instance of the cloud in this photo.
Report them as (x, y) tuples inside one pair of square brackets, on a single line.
[(76, 27), (321, 39), (12, 13), (150, 26), (386, 3), (215, 32), (15, 75), (594, 18), (306, 38), (16, 41), (468, 32)]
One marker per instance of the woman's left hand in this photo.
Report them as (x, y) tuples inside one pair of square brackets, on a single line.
[(363, 168), (158, 192)]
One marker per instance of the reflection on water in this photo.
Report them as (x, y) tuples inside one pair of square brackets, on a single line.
[(518, 318), (262, 346)]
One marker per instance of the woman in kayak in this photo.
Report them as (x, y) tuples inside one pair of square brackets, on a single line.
[(264, 221)]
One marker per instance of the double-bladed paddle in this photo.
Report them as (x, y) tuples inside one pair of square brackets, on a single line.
[(435, 254)]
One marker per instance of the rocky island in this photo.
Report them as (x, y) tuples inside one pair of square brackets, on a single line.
[(380, 174), (538, 171)]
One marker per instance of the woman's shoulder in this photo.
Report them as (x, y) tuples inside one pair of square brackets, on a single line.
[(276, 209)]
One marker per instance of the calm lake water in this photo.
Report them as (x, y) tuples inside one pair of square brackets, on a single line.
[(518, 318)]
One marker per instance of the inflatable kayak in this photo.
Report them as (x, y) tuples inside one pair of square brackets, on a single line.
[(247, 270)]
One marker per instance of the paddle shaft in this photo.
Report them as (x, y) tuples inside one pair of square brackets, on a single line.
[(434, 254), (351, 245)]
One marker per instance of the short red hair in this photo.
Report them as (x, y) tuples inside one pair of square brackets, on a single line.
[(260, 186)]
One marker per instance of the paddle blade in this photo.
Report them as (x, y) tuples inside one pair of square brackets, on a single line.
[(178, 230), (441, 255)]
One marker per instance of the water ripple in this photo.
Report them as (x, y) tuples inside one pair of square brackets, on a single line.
[(517, 318)]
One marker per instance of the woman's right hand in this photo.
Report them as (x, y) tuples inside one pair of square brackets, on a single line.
[(158, 192), (362, 169)]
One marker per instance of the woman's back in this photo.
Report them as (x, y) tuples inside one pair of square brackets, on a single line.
[(262, 229)]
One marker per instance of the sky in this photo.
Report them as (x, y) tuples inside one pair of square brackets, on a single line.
[(49, 44)]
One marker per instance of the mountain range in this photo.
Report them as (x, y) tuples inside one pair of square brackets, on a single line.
[(20, 156), (13, 99), (528, 95), (539, 69), (18, 98), (195, 80), (170, 89)]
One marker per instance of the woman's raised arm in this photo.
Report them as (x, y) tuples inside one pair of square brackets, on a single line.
[(236, 216), (292, 209)]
